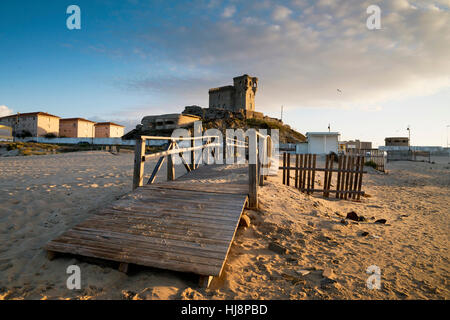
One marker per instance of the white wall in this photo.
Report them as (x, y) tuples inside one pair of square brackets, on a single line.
[(322, 144), (98, 141)]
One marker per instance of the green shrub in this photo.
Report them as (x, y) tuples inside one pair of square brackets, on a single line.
[(370, 164)]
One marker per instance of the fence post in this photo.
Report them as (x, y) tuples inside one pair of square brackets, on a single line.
[(138, 174), (262, 163), (170, 167), (193, 155), (253, 170)]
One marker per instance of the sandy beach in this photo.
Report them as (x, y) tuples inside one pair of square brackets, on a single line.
[(320, 257)]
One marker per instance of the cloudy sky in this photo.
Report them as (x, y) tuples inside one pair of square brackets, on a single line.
[(316, 58)]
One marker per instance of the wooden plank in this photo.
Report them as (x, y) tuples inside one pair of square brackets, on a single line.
[(253, 186), (309, 172), (352, 167), (360, 179), (155, 170), (355, 182), (313, 171), (300, 173), (204, 281), (339, 176), (304, 172), (330, 175), (347, 176), (342, 186), (284, 168), (209, 188), (328, 170), (296, 170), (288, 172), (155, 259), (170, 168), (325, 184), (322, 190), (207, 236), (138, 173)]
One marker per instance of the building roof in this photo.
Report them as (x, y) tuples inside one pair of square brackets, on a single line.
[(225, 88), (108, 123), (245, 75), (73, 119), (322, 133), (30, 114), (396, 138)]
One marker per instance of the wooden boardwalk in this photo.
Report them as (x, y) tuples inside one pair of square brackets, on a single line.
[(183, 225)]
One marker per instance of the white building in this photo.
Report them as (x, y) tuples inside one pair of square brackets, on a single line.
[(320, 143)]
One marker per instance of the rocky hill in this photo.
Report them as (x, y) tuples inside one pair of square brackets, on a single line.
[(222, 120)]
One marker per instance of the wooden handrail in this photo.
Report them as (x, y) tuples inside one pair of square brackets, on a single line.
[(176, 138), (178, 150)]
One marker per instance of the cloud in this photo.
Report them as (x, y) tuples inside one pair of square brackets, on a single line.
[(5, 111), (312, 49), (281, 13), (229, 12)]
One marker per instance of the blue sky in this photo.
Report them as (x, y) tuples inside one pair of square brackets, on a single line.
[(135, 58)]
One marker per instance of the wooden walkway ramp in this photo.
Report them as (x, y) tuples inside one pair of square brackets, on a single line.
[(183, 225)]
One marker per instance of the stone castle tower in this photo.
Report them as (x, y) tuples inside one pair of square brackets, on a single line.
[(239, 96)]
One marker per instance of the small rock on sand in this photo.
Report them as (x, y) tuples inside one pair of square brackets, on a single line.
[(364, 234), (352, 216), (383, 221)]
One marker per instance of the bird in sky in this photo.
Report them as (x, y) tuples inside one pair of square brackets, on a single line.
[(339, 90)]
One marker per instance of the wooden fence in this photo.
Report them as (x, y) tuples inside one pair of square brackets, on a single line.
[(370, 155), (258, 164), (348, 183), (408, 155)]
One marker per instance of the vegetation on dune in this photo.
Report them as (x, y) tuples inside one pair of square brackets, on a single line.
[(370, 164), (287, 134)]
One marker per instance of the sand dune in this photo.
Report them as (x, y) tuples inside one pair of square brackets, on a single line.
[(42, 196)]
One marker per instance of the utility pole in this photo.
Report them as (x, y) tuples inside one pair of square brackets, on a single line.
[(281, 113), (409, 137), (15, 127)]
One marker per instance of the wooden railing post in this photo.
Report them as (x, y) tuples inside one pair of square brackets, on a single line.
[(253, 170), (170, 167), (224, 149), (193, 167), (138, 174), (262, 163)]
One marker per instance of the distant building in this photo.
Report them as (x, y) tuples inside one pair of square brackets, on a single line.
[(354, 145), (321, 142), (168, 121), (5, 133), (239, 96), (396, 141), (35, 124), (76, 128), (108, 130)]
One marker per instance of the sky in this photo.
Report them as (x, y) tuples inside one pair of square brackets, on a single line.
[(317, 59)]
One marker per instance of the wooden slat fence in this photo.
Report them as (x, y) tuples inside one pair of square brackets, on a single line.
[(349, 170), (370, 155)]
